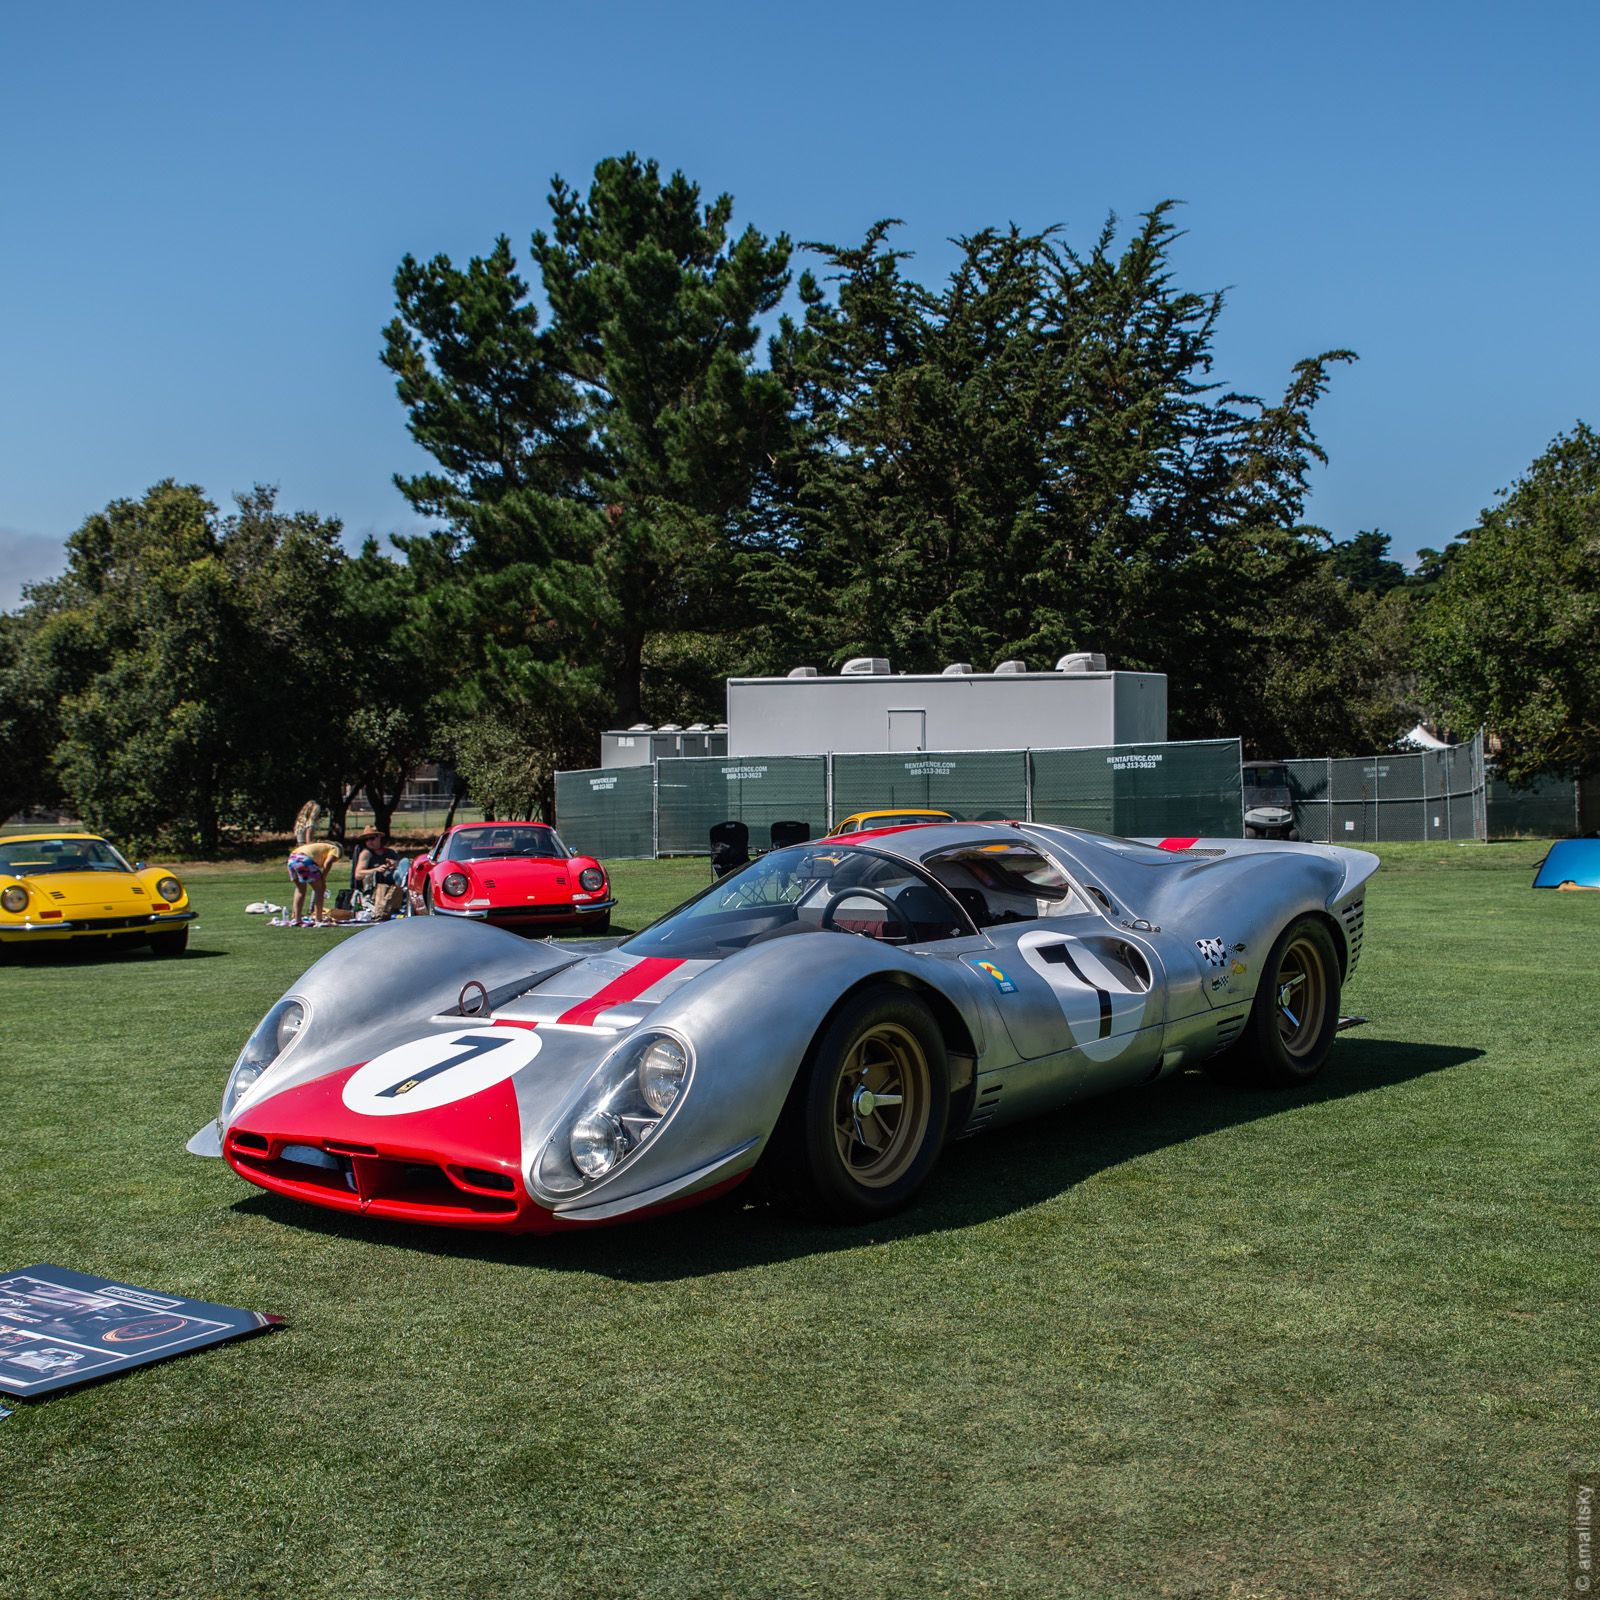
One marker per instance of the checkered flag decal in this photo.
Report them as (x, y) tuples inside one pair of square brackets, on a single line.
[(1212, 951)]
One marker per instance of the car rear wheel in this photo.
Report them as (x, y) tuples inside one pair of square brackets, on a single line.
[(867, 1118), (1296, 1012), (170, 944)]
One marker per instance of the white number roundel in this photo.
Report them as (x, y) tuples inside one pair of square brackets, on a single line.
[(437, 1071)]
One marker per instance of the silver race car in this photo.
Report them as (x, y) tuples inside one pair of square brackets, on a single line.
[(830, 1015)]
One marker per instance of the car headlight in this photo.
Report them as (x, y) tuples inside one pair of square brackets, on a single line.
[(620, 1109), (592, 878), (454, 883), (597, 1143), (15, 898), (662, 1069), (274, 1034), (169, 889)]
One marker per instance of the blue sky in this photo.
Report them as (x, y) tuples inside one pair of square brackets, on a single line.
[(203, 207)]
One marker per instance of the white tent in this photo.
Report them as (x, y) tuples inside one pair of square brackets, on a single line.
[(1420, 739)]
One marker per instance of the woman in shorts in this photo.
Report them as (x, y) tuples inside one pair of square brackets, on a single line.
[(308, 868)]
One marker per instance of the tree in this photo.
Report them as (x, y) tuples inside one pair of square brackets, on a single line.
[(1363, 562), (29, 715), (382, 708), (1034, 458), (1510, 634), (595, 476), (184, 654)]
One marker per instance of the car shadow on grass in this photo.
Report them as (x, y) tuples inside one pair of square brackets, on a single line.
[(976, 1181), (62, 954)]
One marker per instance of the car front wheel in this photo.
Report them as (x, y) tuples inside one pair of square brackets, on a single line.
[(870, 1110), (170, 944)]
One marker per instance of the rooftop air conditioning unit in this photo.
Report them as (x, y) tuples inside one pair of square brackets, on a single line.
[(639, 727), (670, 727), (865, 667), (720, 727), (1081, 661), (695, 727), (802, 672), (1012, 666), (957, 669)]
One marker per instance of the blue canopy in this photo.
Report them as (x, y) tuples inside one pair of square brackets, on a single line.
[(1575, 861)]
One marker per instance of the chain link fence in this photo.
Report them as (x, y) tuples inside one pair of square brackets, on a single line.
[(1141, 790), (670, 806), (696, 792), (1434, 794), (975, 785), (1552, 808), (608, 811)]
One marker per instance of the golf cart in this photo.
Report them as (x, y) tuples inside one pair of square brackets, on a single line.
[(1268, 809)]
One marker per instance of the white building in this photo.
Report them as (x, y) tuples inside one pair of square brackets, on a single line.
[(866, 707)]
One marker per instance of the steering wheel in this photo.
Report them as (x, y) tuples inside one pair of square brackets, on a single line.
[(869, 894)]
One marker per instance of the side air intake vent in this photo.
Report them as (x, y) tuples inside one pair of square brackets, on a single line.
[(1229, 1029), (1354, 917), (983, 1112)]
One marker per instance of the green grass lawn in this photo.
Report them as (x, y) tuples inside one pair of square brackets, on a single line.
[(1187, 1341)]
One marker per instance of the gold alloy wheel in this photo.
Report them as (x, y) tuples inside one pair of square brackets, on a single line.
[(882, 1099), (1302, 998)]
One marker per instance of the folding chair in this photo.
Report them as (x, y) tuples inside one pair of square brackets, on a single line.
[(787, 833), (730, 848)]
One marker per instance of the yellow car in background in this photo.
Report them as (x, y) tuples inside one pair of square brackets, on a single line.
[(865, 821), (65, 886)]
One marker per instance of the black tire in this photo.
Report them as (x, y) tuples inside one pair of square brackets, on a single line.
[(1294, 836), (1250, 832), (427, 898), (603, 926), (1295, 1016), (170, 944), (880, 1043)]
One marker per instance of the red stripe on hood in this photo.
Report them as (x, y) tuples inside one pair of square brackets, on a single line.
[(633, 983), (1180, 844)]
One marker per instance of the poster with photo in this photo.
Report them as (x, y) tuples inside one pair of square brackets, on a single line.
[(59, 1328)]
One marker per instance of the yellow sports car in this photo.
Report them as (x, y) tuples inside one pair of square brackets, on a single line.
[(61, 886), (865, 821)]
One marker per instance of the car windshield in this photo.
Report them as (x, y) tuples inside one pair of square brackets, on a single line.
[(499, 844), (809, 888), (902, 819), (1266, 777), (28, 858)]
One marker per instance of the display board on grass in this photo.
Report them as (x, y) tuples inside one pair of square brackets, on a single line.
[(694, 793), (59, 1328), (607, 811), (1142, 790)]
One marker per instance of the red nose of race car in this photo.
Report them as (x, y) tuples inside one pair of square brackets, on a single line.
[(389, 1148)]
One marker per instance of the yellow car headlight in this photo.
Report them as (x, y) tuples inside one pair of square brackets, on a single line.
[(169, 889), (15, 898)]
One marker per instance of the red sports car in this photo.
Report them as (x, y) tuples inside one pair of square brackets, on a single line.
[(517, 875)]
